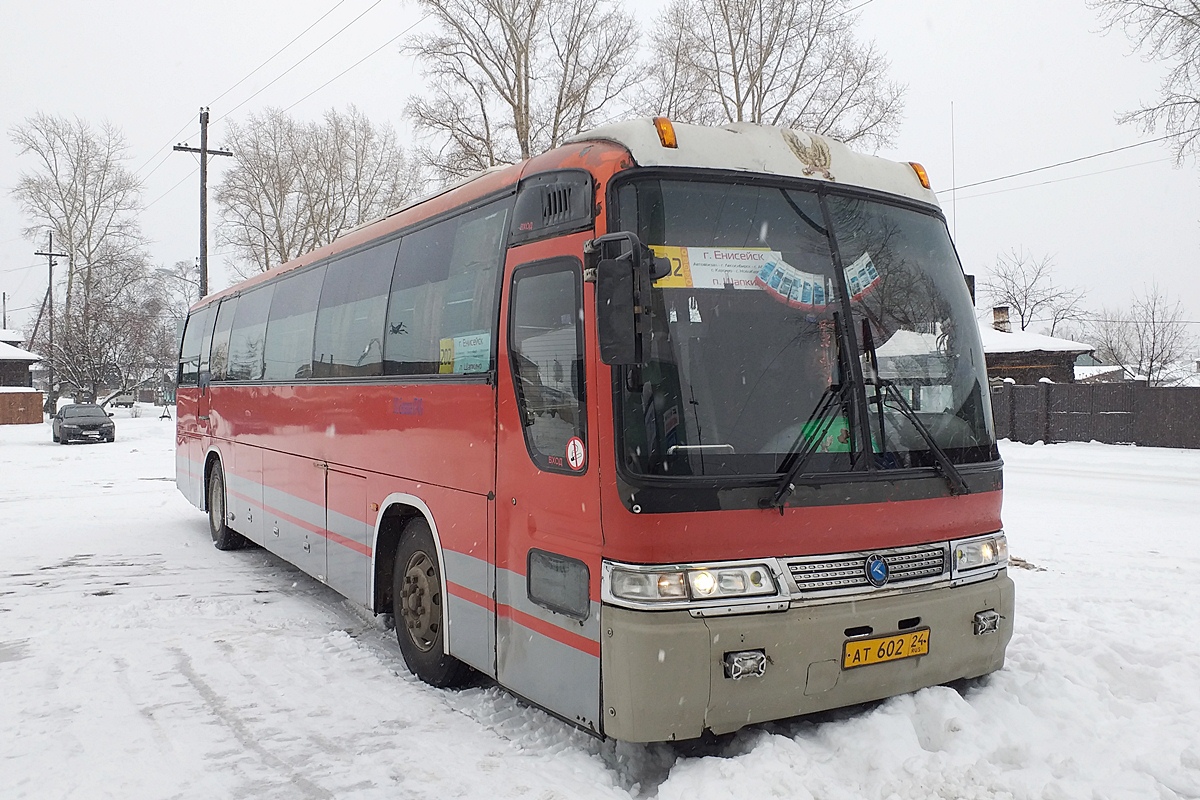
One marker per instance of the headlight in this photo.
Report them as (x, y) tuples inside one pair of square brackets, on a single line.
[(701, 583), (636, 585), (67, 427), (987, 551), (730, 582)]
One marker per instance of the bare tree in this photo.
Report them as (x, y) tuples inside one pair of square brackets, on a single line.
[(1025, 283), (128, 341), (81, 191), (1166, 30), (793, 63), (296, 186), (1147, 339), (512, 78), (179, 287)]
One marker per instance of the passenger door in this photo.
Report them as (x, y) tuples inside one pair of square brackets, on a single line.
[(547, 622)]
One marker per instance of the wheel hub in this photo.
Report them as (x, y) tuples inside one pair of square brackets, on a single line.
[(420, 602)]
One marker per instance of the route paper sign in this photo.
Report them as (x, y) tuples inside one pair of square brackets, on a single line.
[(713, 267), (471, 352)]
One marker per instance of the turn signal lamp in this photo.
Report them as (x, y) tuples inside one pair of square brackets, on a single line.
[(666, 132), (922, 175)]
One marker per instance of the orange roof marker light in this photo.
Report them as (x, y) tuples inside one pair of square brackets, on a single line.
[(666, 132), (922, 175)]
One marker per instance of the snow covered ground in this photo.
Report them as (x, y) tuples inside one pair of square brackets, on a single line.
[(136, 661)]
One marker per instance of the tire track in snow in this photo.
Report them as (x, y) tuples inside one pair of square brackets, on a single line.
[(225, 714)]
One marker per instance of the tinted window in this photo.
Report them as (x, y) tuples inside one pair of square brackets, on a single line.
[(249, 333), (219, 363), (189, 351), (350, 317), (291, 324), (546, 342), (79, 410), (442, 310)]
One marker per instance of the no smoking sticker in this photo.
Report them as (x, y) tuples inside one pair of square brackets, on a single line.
[(575, 453)]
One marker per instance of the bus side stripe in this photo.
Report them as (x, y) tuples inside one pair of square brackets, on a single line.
[(336, 538), (572, 640), (471, 596)]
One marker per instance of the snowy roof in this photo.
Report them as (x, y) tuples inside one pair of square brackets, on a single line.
[(10, 336), (995, 341), (10, 353), (908, 343), (746, 147), (18, 390), (1083, 373)]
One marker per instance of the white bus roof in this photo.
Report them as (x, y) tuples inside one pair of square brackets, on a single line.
[(746, 147)]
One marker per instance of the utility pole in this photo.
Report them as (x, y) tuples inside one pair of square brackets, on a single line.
[(204, 154), (51, 395)]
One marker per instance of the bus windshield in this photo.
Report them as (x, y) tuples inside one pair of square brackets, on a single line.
[(761, 342)]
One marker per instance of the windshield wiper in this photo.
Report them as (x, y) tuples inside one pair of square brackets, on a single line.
[(835, 397), (942, 463), (812, 433)]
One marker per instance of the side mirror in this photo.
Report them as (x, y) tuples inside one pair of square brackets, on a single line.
[(625, 271), (616, 312)]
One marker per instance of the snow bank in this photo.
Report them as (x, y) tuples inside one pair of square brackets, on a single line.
[(138, 662)]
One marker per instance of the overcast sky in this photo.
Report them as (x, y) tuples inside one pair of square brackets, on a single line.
[(1032, 84)]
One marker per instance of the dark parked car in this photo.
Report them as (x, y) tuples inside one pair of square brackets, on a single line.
[(85, 422)]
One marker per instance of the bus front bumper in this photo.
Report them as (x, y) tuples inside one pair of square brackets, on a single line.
[(665, 674)]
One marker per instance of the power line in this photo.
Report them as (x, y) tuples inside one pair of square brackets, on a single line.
[(280, 50), (285, 72), (243, 79), (173, 188), (361, 60), (311, 53), (1073, 160), (1061, 180)]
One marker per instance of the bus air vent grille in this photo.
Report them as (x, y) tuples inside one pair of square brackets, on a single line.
[(846, 573), (556, 205)]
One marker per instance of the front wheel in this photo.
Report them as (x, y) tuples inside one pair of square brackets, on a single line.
[(224, 537), (417, 604)]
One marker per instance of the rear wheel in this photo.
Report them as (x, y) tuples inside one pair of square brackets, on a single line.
[(224, 538), (417, 604)]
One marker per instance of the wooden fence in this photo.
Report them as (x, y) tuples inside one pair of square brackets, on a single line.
[(1116, 413), (20, 407)]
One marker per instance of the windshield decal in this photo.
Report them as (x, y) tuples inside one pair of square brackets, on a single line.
[(861, 276)]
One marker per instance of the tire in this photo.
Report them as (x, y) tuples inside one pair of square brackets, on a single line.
[(417, 608), (224, 537)]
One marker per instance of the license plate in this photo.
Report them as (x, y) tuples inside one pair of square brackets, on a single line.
[(862, 652)]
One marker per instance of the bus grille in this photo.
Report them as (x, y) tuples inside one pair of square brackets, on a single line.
[(846, 573)]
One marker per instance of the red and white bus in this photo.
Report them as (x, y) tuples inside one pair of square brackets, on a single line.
[(670, 430)]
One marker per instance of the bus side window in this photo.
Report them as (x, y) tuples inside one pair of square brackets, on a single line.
[(442, 311), (546, 344), (350, 316), (248, 335), (219, 361), (290, 326), (189, 350)]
